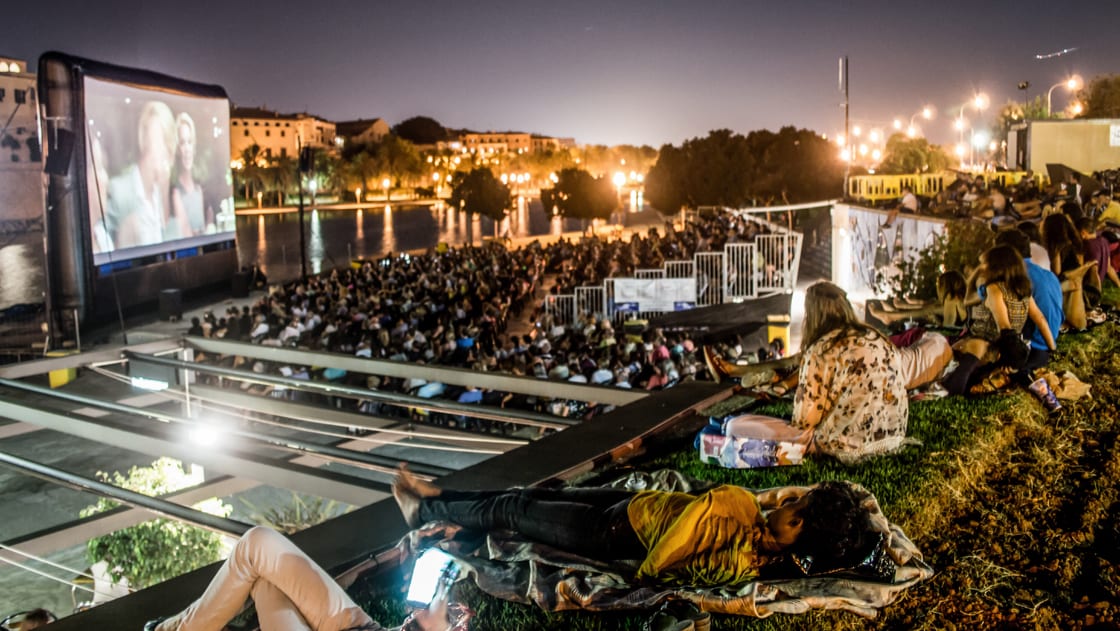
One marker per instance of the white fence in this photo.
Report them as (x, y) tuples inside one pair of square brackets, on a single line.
[(766, 266)]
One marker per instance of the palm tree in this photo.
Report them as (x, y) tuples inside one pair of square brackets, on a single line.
[(286, 176), (250, 171)]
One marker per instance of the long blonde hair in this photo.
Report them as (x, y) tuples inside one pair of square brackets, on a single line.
[(827, 309)]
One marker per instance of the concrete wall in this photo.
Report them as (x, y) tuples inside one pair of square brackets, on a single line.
[(1085, 145)]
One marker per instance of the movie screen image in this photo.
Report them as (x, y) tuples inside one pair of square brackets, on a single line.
[(157, 170)]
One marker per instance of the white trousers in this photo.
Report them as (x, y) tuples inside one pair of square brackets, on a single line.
[(291, 592)]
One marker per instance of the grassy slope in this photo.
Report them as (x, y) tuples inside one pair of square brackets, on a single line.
[(1017, 512)]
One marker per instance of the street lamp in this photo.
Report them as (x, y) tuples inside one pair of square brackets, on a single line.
[(385, 185), (358, 195), (1073, 83), (927, 112)]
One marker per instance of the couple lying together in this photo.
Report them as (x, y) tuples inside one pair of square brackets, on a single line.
[(717, 538)]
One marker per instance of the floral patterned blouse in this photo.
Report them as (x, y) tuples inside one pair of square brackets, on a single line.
[(852, 395)]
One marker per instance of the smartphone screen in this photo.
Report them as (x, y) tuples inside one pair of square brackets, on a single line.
[(432, 567)]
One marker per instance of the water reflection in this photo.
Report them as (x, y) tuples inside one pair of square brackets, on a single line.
[(315, 243), (272, 241), (388, 238)]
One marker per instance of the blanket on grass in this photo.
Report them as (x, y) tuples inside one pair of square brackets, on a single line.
[(517, 570)]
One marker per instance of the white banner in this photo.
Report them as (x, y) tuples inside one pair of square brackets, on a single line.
[(654, 294)]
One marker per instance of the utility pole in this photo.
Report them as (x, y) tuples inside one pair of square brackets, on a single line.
[(847, 119)]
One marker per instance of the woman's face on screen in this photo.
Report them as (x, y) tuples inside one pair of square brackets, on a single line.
[(186, 146)]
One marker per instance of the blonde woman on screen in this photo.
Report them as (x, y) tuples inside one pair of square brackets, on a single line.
[(189, 216)]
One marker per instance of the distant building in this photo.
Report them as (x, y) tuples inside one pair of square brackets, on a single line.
[(278, 135), (511, 142), (21, 156), (497, 142), (362, 131)]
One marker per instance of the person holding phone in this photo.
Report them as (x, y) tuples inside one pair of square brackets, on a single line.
[(290, 591), (717, 538)]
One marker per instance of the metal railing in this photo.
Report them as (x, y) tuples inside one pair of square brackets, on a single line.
[(741, 271), (877, 188)]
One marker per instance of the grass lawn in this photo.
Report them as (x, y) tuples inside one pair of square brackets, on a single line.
[(1017, 512)]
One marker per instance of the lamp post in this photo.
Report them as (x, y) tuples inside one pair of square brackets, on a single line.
[(980, 103), (1071, 84), (385, 185), (358, 195), (927, 113)]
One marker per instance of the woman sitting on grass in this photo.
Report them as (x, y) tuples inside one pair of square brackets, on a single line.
[(718, 538), (851, 400), (1067, 260), (997, 322)]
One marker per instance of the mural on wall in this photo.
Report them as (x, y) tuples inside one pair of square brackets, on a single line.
[(878, 247)]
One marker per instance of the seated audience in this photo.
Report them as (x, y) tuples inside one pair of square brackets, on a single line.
[(1005, 306), (1046, 290), (1067, 261)]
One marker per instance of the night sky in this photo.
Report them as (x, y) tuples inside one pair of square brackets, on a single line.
[(641, 72)]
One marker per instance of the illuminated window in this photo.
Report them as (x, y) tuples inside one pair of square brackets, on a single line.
[(3, 66)]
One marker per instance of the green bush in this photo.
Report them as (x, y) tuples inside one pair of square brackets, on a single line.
[(959, 248), (158, 549)]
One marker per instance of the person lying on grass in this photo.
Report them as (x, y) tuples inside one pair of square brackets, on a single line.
[(290, 591), (716, 538)]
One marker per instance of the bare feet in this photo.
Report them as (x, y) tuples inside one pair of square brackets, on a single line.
[(408, 503), (415, 485)]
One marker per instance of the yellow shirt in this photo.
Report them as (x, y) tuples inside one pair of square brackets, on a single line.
[(1111, 213), (705, 540)]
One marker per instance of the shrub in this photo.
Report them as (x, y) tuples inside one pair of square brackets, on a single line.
[(157, 549), (959, 248)]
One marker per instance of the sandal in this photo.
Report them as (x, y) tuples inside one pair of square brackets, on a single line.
[(995, 381)]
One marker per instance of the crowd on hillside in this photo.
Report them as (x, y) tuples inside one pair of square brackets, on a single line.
[(995, 325), (1031, 197)]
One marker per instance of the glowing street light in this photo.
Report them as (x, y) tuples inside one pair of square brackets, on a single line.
[(1072, 84), (619, 179), (358, 195), (897, 124), (385, 185)]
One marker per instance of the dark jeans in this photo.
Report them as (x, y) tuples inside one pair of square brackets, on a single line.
[(588, 522), (1035, 360)]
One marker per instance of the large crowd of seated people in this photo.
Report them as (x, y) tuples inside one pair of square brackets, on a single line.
[(452, 307)]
